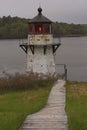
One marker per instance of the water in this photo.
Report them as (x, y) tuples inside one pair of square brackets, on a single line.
[(72, 52), (12, 58)]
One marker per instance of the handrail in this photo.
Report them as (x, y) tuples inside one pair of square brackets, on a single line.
[(65, 70)]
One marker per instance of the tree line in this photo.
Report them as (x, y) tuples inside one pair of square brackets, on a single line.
[(16, 27), (69, 30), (13, 27)]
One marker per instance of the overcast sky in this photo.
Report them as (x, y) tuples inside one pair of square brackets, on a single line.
[(70, 11)]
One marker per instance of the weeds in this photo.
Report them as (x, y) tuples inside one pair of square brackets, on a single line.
[(23, 82)]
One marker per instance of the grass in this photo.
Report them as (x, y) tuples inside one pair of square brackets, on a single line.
[(20, 96), (76, 106)]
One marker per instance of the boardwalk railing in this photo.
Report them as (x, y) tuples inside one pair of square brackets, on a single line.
[(61, 70)]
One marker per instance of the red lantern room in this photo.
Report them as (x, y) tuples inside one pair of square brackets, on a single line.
[(40, 24)]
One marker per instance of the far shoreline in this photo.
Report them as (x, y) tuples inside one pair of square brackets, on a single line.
[(53, 37)]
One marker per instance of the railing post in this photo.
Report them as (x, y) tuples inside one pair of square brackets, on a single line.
[(65, 72)]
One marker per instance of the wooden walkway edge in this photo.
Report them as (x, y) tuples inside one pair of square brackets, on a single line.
[(53, 116)]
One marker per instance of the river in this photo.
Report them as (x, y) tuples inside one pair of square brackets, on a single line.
[(72, 52)]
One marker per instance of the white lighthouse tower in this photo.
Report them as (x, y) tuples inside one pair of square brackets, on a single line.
[(40, 48)]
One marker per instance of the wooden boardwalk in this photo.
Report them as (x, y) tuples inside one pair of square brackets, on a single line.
[(53, 116)]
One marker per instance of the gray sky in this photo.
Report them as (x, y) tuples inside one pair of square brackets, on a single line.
[(70, 11)]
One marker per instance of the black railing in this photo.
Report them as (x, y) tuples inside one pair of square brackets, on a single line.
[(59, 72)]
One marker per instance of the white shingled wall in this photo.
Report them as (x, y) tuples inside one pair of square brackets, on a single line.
[(40, 62)]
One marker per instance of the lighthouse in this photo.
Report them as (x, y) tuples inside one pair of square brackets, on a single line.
[(40, 48)]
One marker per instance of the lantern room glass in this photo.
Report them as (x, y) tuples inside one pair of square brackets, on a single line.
[(40, 28)]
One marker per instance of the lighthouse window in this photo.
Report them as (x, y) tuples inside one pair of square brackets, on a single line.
[(38, 39), (31, 29), (47, 28), (47, 40), (38, 29)]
